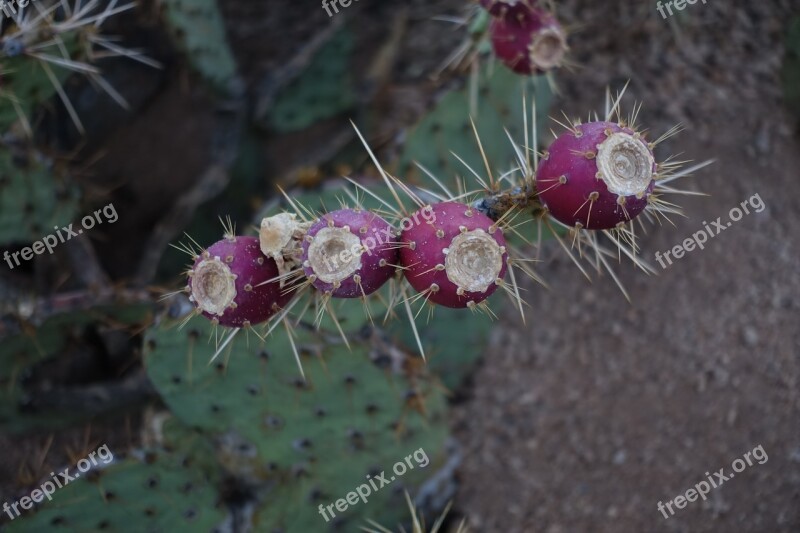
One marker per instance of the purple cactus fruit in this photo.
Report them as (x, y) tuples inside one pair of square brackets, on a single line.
[(350, 253), (454, 254), (597, 176), (509, 8), (227, 283), (533, 43)]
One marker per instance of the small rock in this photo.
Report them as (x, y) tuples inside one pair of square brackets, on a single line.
[(619, 457), (750, 336)]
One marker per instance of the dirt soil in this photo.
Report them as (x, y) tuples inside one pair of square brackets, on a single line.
[(597, 409)]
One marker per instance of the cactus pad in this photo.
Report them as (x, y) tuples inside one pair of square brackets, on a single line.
[(447, 127), (322, 91), (162, 492), (199, 30), (32, 199), (309, 441)]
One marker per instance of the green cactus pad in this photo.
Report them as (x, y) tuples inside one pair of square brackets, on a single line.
[(32, 199), (322, 91), (454, 346), (304, 442), (197, 26), (447, 128), (161, 492), (24, 81)]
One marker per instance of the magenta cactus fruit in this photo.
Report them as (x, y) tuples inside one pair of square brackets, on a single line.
[(228, 283), (529, 43), (509, 8), (453, 254), (597, 176), (350, 253)]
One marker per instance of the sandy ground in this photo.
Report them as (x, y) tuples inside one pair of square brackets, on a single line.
[(597, 409)]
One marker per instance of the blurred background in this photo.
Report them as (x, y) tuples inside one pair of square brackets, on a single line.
[(173, 114)]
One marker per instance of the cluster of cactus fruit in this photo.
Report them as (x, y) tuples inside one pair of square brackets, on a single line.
[(597, 176), (449, 251)]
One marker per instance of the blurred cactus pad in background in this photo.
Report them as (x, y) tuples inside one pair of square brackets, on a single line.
[(239, 385)]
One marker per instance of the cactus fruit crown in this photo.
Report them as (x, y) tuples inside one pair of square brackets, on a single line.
[(213, 285), (625, 164), (349, 253), (598, 176), (328, 244), (548, 48)]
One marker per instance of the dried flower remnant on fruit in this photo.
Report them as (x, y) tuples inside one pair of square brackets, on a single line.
[(626, 164), (280, 238), (349, 253), (334, 254), (213, 286), (474, 261)]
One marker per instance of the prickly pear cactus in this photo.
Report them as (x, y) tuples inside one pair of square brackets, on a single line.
[(323, 90), (24, 85), (434, 143), (197, 26), (447, 128), (304, 441), (33, 199)]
